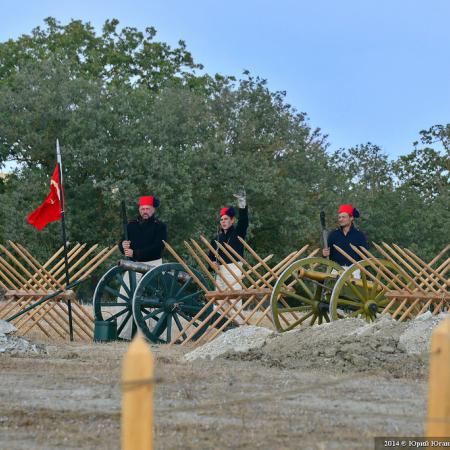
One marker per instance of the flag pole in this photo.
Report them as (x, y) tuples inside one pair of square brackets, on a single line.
[(63, 224)]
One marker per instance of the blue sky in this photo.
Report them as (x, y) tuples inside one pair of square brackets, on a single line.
[(362, 70)]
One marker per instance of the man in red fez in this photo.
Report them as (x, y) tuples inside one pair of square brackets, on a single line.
[(145, 234), (345, 236), (145, 244)]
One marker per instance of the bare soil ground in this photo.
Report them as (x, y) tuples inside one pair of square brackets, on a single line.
[(71, 399)]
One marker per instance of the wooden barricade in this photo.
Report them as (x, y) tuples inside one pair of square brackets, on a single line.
[(412, 285), (25, 281), (241, 290)]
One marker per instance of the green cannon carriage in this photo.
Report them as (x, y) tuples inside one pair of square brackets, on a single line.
[(158, 299)]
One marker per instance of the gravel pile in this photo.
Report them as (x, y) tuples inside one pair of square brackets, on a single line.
[(396, 348), (16, 345), (237, 340), (416, 339)]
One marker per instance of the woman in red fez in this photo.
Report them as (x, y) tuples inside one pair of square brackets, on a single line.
[(229, 232), (345, 236)]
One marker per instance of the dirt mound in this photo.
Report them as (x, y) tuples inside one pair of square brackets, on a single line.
[(396, 348)]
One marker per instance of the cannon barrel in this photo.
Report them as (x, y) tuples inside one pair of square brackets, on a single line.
[(323, 276), (135, 266), (317, 276), (141, 267)]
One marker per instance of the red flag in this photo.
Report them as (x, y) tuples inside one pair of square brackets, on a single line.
[(50, 210)]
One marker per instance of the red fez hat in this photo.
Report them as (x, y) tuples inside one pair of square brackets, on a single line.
[(227, 211), (346, 208), (147, 200)]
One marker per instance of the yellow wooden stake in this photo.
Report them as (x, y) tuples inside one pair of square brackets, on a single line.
[(137, 396), (439, 382)]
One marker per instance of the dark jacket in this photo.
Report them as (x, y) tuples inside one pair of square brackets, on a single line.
[(354, 237), (146, 238), (230, 237)]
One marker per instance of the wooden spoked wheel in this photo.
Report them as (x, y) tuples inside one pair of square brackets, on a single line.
[(302, 293), (113, 297), (165, 299), (357, 294)]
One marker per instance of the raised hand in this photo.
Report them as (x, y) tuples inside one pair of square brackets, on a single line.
[(241, 197)]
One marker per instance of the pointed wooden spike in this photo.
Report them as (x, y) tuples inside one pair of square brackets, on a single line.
[(137, 396)]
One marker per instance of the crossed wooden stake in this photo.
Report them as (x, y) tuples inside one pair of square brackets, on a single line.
[(26, 281), (412, 285), (245, 301)]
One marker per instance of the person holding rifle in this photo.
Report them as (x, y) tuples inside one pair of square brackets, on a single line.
[(143, 241), (145, 234), (345, 236)]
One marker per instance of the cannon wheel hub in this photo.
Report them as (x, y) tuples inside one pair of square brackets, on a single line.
[(165, 300), (358, 292), (371, 308)]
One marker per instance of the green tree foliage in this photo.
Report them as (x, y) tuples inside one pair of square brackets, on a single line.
[(437, 134), (118, 57), (190, 148), (404, 201), (134, 117), (423, 179)]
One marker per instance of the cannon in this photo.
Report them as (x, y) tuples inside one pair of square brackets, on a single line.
[(315, 290), (156, 299), (178, 303)]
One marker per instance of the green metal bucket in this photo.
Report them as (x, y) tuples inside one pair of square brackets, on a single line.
[(105, 330)]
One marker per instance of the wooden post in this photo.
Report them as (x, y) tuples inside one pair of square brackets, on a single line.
[(137, 396), (438, 424)]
